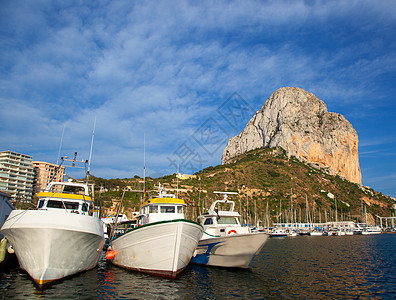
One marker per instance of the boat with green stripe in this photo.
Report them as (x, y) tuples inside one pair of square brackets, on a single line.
[(163, 242)]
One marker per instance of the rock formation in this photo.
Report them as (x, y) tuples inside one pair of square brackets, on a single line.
[(299, 122)]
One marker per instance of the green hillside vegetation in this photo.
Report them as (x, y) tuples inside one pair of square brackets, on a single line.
[(263, 178)]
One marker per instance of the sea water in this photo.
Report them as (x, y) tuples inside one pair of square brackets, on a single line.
[(328, 267)]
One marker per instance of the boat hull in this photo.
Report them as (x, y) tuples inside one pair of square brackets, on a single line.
[(51, 245), (162, 248), (315, 233), (368, 232), (232, 251)]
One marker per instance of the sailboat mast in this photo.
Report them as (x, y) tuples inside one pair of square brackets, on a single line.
[(291, 205), (247, 207)]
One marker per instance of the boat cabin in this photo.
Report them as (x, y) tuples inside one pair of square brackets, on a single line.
[(219, 223), (165, 207), (72, 197)]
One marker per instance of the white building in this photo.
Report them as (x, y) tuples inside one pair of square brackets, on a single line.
[(16, 175)]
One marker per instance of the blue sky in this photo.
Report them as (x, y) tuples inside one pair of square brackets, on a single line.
[(171, 70)]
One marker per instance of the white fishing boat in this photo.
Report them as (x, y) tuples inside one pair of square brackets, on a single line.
[(163, 242), (61, 237), (225, 243)]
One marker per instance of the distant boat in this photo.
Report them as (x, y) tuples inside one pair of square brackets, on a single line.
[(334, 231), (371, 230), (291, 233), (303, 232), (225, 243), (349, 232), (61, 237), (118, 224), (163, 242), (113, 219), (277, 232), (315, 233)]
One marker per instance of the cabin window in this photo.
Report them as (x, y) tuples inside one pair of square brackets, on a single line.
[(180, 209), (227, 221), (54, 204), (208, 221), (41, 203), (167, 209), (84, 207), (153, 209), (74, 190), (71, 205)]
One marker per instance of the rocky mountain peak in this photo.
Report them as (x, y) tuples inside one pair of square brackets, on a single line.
[(299, 122)]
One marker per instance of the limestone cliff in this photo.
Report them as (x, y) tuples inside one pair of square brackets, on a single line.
[(299, 122)]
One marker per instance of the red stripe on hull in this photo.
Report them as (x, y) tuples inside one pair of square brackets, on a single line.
[(160, 273)]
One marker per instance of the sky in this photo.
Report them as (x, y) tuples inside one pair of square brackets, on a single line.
[(161, 86)]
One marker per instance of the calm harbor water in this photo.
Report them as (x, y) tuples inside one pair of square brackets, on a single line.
[(339, 267)]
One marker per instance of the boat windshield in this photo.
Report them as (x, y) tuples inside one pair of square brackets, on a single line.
[(153, 209), (59, 204), (208, 221), (227, 221), (167, 209)]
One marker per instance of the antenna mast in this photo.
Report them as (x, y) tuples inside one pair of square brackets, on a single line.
[(144, 165), (60, 145), (90, 152)]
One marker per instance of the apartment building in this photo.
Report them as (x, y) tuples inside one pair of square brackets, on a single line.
[(16, 175), (44, 173)]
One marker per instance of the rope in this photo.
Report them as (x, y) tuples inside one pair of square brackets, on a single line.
[(22, 212)]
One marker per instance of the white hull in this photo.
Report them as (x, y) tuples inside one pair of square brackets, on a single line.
[(374, 231), (163, 248), (234, 251), (51, 245)]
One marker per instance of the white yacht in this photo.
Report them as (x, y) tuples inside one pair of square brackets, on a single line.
[(61, 237), (225, 243), (163, 242), (371, 230), (315, 233), (279, 232)]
